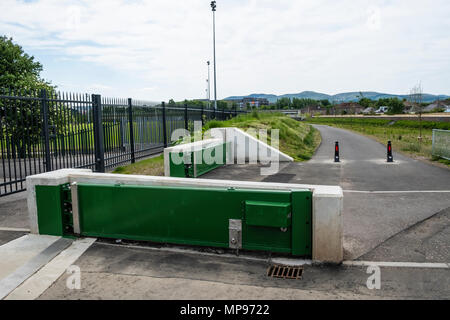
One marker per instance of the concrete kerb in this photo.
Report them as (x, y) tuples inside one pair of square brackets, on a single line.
[(327, 201)]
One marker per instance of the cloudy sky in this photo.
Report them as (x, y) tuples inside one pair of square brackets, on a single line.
[(157, 49)]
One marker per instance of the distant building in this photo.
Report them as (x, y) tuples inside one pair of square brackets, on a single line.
[(252, 102), (368, 110), (436, 107), (348, 108)]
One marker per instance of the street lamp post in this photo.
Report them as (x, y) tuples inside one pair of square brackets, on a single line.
[(209, 88), (213, 7)]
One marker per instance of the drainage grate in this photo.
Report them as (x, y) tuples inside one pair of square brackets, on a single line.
[(285, 272)]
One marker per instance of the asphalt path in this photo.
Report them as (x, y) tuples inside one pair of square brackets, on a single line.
[(390, 224), (381, 200)]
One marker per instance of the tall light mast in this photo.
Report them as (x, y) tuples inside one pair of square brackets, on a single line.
[(213, 7)]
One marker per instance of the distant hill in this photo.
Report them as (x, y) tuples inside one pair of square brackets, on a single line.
[(341, 97)]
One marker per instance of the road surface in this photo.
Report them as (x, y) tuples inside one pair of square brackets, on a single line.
[(402, 196), (391, 224)]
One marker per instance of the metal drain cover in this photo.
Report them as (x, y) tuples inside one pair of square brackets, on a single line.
[(285, 272)]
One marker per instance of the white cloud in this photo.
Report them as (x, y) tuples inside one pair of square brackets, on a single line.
[(262, 45)]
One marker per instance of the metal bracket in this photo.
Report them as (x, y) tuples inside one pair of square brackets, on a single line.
[(75, 211), (235, 234)]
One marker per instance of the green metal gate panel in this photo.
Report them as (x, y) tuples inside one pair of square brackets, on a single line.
[(50, 204), (277, 221), (189, 169)]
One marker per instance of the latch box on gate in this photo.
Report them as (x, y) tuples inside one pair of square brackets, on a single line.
[(268, 214)]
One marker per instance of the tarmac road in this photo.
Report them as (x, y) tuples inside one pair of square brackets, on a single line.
[(390, 226), (369, 218)]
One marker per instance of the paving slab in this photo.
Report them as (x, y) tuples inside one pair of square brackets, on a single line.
[(17, 252), (116, 272), (14, 211), (7, 236)]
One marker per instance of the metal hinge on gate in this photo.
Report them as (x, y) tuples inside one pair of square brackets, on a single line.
[(71, 221), (67, 219), (75, 211), (235, 234)]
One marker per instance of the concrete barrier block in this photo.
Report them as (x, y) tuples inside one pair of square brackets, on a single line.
[(52, 178), (190, 147), (327, 235)]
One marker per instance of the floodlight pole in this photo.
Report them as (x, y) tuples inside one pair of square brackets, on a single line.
[(213, 7), (209, 87)]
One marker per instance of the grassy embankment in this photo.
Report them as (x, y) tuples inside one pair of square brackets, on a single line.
[(403, 133), (299, 140)]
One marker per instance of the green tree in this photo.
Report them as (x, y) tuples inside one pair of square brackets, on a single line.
[(366, 102), (395, 106), (283, 103), (18, 69), (325, 102), (20, 122)]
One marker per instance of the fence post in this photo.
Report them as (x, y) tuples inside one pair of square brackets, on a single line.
[(130, 121), (201, 116), (99, 148), (164, 124), (48, 164), (186, 120)]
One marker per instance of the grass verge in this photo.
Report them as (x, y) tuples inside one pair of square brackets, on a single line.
[(149, 167), (297, 139)]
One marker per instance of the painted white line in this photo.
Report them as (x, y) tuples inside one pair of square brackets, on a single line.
[(423, 265), (34, 286), (14, 229), (389, 192)]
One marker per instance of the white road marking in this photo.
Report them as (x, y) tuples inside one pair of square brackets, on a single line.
[(405, 191), (342, 161), (14, 229), (34, 286), (423, 265)]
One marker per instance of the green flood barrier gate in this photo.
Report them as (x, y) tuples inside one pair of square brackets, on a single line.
[(199, 161), (236, 218)]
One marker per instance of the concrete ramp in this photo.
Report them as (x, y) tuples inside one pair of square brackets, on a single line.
[(25, 256), (19, 251)]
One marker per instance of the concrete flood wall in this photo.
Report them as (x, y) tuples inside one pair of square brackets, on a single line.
[(246, 148), (241, 148), (327, 228)]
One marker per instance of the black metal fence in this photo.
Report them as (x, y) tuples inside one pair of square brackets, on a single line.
[(44, 131)]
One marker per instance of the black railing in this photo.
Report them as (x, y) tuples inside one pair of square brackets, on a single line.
[(42, 131)]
